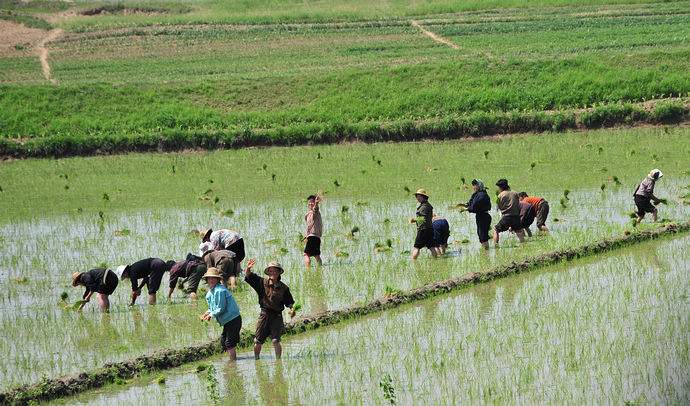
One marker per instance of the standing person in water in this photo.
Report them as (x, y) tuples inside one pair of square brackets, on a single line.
[(480, 204), (314, 231), (644, 196), (99, 280), (441, 233), (150, 271), (425, 229), (541, 209), (274, 296), (509, 205), (230, 240), (223, 307)]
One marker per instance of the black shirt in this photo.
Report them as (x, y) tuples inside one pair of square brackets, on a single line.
[(140, 270), (479, 202), (272, 297), (424, 214), (93, 280)]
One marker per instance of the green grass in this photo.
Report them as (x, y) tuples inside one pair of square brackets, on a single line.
[(27, 20), (281, 84)]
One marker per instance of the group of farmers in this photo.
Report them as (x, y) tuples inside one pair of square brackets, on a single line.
[(518, 213), (221, 253)]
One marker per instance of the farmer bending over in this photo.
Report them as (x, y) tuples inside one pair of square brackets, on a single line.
[(187, 272), (225, 239), (274, 296), (541, 210), (223, 260), (644, 196), (100, 280), (509, 205), (150, 271)]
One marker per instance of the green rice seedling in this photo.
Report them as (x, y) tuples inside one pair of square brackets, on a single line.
[(336, 183), (602, 187), (486, 154), (344, 209), (341, 254), (105, 197), (386, 385), (564, 202), (616, 181), (64, 296), (297, 307), (160, 380), (663, 201), (212, 385), (122, 233), (566, 192), (532, 165)]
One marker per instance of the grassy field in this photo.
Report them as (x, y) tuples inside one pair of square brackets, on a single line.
[(149, 210), (612, 329), (162, 74)]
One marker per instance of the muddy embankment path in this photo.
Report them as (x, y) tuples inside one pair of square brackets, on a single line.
[(43, 53), (166, 359)]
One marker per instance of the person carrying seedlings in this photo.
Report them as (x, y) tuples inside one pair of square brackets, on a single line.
[(480, 204), (509, 205), (150, 271), (100, 280), (230, 240), (186, 272), (223, 260), (441, 233), (425, 229), (314, 231), (541, 210), (223, 307), (527, 215), (274, 296), (644, 196)]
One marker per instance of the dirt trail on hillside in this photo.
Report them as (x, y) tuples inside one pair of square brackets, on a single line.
[(433, 36), (42, 52)]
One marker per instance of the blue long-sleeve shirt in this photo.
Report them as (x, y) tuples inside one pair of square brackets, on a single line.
[(221, 305)]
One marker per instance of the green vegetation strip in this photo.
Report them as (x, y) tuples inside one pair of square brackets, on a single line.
[(66, 386), (476, 124)]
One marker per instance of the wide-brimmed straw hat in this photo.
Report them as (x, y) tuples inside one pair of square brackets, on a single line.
[(120, 271), (274, 264), (421, 192), (212, 273), (75, 278), (207, 235)]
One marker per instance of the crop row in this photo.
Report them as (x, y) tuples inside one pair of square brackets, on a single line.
[(473, 125)]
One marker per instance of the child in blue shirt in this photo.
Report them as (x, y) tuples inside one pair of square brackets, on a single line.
[(223, 307)]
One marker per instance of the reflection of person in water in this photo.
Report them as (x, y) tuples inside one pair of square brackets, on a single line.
[(234, 385), (272, 391), (317, 297)]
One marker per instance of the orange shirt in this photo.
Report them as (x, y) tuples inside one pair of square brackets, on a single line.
[(534, 201)]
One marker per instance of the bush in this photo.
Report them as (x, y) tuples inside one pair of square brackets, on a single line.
[(668, 112)]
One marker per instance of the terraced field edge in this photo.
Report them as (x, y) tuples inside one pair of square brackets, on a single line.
[(49, 389), (477, 124)]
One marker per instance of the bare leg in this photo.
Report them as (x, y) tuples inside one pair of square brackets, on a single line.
[(193, 296), (654, 216), (496, 238), (233, 282), (257, 350), (307, 261), (103, 303), (543, 228), (152, 298), (278, 348), (415, 253), (318, 260), (485, 245), (232, 353)]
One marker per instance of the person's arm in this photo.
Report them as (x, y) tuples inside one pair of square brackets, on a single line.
[(317, 200), (221, 303), (172, 284), (470, 205), (288, 302), (86, 297)]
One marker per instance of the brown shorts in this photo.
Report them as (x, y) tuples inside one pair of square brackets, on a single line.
[(542, 213), (269, 325)]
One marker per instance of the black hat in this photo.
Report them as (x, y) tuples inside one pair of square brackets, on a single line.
[(502, 183)]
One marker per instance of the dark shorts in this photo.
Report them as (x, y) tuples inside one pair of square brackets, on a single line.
[(425, 238), (238, 248), (483, 226), (227, 268), (231, 333), (111, 281), (156, 276), (269, 325), (542, 213), (644, 205), (313, 248), (194, 278), (507, 222)]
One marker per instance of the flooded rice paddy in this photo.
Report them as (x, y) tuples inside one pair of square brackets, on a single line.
[(611, 329)]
